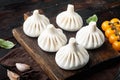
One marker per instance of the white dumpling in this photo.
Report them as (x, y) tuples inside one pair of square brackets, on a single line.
[(69, 20), (35, 24), (51, 39), (72, 56), (90, 36)]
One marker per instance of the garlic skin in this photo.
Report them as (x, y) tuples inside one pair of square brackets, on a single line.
[(12, 75), (35, 24), (51, 39), (90, 36), (72, 56), (22, 67), (69, 20)]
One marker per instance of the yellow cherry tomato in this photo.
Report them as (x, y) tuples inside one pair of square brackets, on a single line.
[(113, 38), (115, 21), (105, 25), (116, 45), (109, 31), (117, 27)]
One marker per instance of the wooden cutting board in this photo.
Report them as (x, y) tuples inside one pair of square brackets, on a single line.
[(46, 60)]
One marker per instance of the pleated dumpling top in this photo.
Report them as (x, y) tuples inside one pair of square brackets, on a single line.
[(72, 56), (69, 20), (90, 36), (51, 39), (35, 24)]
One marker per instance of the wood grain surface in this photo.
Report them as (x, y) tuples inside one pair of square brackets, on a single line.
[(11, 16), (47, 60)]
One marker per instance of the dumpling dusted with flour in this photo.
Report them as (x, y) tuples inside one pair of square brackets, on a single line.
[(71, 56), (35, 24), (51, 39), (90, 36), (69, 20)]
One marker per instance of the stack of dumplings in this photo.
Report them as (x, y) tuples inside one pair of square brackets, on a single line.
[(69, 56)]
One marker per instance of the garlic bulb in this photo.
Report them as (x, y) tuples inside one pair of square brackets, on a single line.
[(72, 56), (35, 24), (22, 67), (51, 39), (90, 36), (69, 20), (12, 75)]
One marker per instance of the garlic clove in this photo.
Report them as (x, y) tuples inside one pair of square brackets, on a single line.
[(12, 75), (22, 67)]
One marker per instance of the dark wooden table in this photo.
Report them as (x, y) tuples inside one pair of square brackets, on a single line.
[(11, 16)]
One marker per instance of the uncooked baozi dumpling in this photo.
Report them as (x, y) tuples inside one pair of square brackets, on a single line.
[(69, 20), (35, 24), (90, 36), (72, 56), (51, 39)]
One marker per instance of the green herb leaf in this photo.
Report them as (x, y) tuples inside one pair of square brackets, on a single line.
[(92, 18), (6, 44)]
